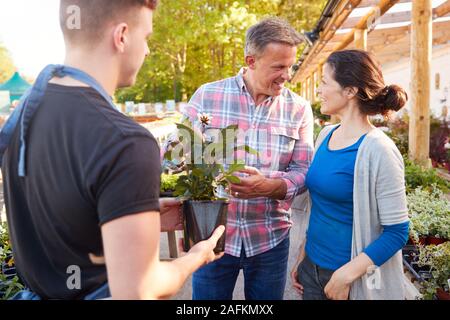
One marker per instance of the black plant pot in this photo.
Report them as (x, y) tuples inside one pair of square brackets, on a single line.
[(201, 218)]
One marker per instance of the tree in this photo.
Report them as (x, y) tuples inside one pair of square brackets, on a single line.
[(6, 64), (205, 44)]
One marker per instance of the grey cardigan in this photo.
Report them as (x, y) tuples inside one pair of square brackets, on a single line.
[(379, 198)]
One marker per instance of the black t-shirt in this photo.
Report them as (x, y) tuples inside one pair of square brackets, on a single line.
[(87, 164)]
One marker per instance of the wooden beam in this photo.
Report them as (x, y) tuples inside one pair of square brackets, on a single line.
[(363, 23), (395, 17), (419, 123), (371, 3), (361, 39), (387, 18), (383, 42), (392, 47), (382, 7), (334, 23), (442, 10), (330, 41)]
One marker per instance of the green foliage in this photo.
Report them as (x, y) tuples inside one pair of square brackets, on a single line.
[(9, 286), (438, 259), (169, 182), (429, 213), (203, 163), (399, 133), (417, 176), (317, 114), (206, 43)]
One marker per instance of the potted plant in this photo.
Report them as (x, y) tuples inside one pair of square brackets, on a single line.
[(437, 258), (207, 174), (9, 281), (168, 184), (430, 216)]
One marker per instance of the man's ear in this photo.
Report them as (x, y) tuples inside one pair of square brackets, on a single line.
[(121, 37), (250, 61)]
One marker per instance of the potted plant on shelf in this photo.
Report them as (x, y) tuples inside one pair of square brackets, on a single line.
[(437, 258), (10, 283), (430, 216), (207, 174), (168, 184)]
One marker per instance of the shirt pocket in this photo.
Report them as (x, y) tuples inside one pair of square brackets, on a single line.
[(282, 144)]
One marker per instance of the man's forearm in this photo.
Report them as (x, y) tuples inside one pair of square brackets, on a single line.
[(174, 274)]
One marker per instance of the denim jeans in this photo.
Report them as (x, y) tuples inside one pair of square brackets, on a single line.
[(264, 276), (313, 279)]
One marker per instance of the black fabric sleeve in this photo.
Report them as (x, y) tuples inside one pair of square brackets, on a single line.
[(128, 180)]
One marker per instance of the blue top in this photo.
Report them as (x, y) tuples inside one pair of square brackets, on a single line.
[(330, 182)]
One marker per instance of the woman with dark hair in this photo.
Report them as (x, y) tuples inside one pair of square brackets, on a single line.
[(359, 219)]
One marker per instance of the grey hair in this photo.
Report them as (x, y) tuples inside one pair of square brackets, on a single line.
[(270, 30)]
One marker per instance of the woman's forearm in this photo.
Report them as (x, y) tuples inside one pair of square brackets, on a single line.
[(356, 268)]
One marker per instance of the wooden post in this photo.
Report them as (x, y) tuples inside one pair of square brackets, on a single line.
[(172, 239), (312, 88), (360, 39), (419, 123), (319, 73), (307, 95), (318, 79), (304, 89)]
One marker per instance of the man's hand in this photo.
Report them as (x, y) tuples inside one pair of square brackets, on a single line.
[(255, 185), (205, 248)]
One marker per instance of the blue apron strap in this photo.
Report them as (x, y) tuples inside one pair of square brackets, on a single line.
[(31, 101)]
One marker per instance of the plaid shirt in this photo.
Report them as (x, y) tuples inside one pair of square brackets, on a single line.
[(281, 130)]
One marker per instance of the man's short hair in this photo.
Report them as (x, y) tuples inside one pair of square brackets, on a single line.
[(95, 15), (270, 30)]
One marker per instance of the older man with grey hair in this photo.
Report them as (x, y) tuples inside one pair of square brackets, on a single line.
[(279, 125)]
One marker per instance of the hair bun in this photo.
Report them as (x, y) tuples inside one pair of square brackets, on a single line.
[(393, 97)]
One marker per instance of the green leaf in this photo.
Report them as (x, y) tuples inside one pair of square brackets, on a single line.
[(233, 179), (235, 167)]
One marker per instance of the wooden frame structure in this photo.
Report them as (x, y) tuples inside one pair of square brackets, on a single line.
[(391, 29)]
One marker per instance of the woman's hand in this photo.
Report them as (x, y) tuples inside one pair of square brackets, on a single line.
[(294, 277), (294, 274), (338, 288)]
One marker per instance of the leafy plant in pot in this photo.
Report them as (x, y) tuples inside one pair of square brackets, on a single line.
[(430, 216), (438, 259), (10, 283), (207, 174)]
